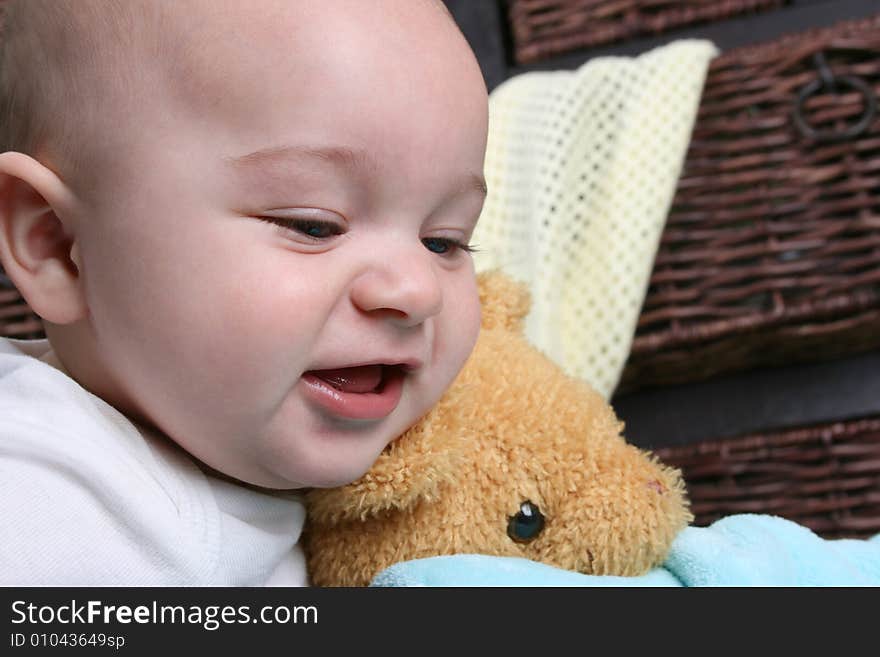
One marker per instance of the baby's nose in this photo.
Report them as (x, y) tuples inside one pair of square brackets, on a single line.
[(406, 289)]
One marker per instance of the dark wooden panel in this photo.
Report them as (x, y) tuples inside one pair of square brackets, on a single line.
[(753, 401)]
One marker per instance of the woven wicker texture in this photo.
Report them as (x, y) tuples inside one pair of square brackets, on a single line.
[(826, 478), (541, 28), (16, 318), (771, 252)]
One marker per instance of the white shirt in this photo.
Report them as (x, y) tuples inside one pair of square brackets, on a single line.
[(89, 498)]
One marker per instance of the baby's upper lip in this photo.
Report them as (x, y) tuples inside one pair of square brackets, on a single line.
[(408, 364)]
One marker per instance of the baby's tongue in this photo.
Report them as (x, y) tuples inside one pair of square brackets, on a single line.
[(352, 379)]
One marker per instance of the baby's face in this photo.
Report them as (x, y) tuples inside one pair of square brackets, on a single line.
[(273, 265)]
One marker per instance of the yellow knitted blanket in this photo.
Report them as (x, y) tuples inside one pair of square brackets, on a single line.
[(582, 167)]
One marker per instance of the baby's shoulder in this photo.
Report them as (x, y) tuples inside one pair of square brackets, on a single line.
[(44, 411), (85, 494)]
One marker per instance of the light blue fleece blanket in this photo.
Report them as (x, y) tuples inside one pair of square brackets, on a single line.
[(739, 550)]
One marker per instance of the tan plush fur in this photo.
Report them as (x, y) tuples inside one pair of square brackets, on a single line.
[(512, 428)]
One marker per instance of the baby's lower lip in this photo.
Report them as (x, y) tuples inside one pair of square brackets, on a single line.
[(373, 405)]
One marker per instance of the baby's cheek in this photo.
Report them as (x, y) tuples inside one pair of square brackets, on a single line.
[(466, 325)]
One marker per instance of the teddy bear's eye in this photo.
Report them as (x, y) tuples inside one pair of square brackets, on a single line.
[(527, 524)]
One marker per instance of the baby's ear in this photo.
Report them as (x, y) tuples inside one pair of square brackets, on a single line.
[(37, 245), (414, 468), (505, 302)]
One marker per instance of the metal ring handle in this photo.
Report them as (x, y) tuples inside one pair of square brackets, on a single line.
[(851, 132)]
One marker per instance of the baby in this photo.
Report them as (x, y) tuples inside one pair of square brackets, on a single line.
[(245, 226)]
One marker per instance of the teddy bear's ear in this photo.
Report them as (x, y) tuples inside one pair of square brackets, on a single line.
[(505, 302), (414, 468)]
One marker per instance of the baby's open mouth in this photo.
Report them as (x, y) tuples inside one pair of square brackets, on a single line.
[(365, 392), (364, 378)]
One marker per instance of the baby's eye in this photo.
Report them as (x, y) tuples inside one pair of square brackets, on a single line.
[(445, 246), (316, 230)]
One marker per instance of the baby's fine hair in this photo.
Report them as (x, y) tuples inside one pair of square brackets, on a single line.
[(59, 62)]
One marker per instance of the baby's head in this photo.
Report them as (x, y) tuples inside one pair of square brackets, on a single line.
[(245, 224)]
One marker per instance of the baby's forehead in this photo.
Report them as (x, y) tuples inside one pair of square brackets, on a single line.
[(94, 31), (204, 59), (228, 53), (122, 37), (198, 41)]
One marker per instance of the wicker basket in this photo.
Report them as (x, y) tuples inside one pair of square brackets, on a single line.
[(542, 28), (17, 320), (826, 478), (771, 252)]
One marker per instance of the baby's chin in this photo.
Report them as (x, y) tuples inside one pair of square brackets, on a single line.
[(324, 478), (304, 448), (328, 467)]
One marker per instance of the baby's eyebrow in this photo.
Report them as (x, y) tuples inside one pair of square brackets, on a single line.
[(342, 156), (345, 156)]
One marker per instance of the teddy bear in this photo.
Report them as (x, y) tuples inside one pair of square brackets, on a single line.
[(517, 459)]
